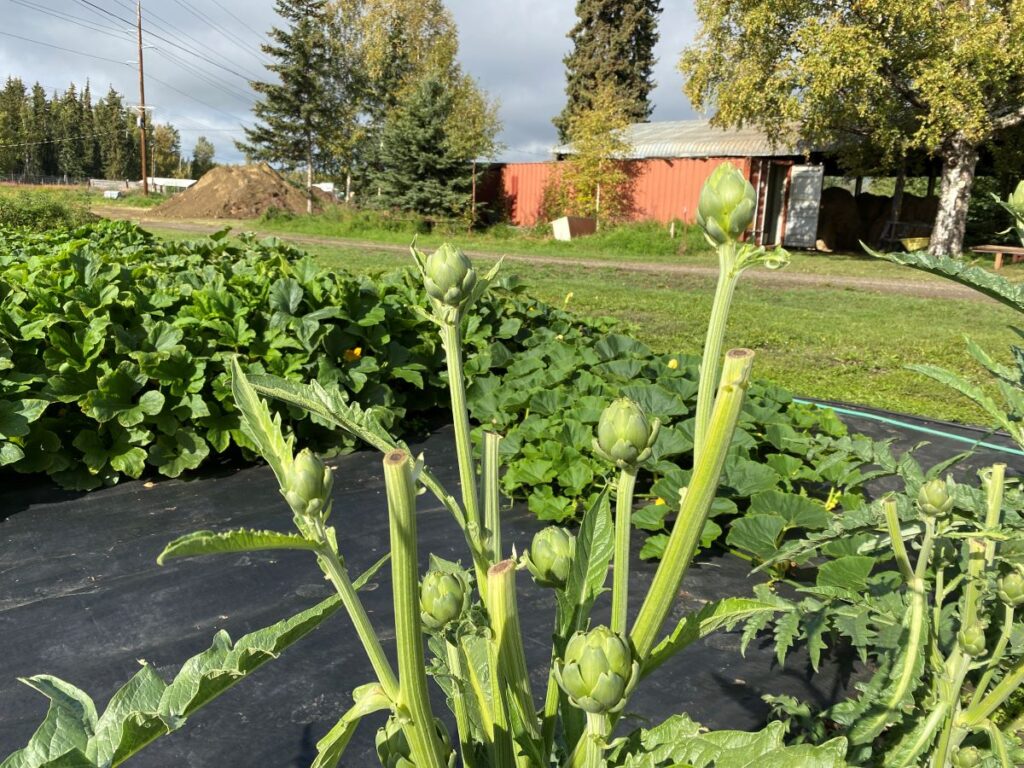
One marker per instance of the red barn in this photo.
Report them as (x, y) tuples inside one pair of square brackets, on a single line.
[(672, 160)]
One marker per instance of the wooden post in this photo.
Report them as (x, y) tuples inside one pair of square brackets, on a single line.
[(597, 209), (142, 107), (472, 215)]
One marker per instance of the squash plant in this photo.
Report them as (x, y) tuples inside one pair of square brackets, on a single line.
[(471, 615)]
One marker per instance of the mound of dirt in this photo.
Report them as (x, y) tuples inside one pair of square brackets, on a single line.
[(235, 192)]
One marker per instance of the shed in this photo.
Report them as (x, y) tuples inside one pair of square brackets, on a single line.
[(671, 161)]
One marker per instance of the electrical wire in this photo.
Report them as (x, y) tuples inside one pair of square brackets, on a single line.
[(61, 48), (76, 20), (261, 36), (239, 43)]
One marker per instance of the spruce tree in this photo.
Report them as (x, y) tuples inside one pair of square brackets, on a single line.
[(613, 43), (420, 170), (38, 151), (68, 136), (12, 132), (297, 112)]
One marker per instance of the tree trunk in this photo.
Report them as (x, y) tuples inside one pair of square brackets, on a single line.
[(309, 183), (959, 159)]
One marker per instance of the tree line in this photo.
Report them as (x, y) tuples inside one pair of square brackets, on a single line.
[(370, 93), (68, 134)]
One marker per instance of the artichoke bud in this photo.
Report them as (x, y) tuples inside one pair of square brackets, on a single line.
[(444, 597), (550, 556), (448, 276), (967, 757), (972, 641), (624, 436), (393, 748), (308, 485), (934, 499), (1010, 588), (726, 205), (598, 671)]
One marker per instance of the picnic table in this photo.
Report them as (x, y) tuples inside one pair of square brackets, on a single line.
[(1015, 252)]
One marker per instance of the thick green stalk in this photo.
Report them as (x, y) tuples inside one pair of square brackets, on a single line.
[(451, 338), (899, 548), (998, 744), (696, 504), (513, 673), (502, 747), (997, 655), (364, 629), (413, 697), (957, 667), (710, 360), (589, 753), (462, 721), (620, 571), (984, 709), (492, 508)]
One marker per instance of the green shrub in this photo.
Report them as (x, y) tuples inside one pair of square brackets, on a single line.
[(114, 346), (41, 211)]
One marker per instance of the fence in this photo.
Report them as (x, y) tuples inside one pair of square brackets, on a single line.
[(62, 181)]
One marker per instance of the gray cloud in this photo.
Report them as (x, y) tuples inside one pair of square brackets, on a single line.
[(514, 49)]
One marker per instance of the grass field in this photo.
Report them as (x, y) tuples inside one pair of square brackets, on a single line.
[(847, 345)]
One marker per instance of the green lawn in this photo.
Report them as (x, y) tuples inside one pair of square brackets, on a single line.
[(846, 345), (644, 242)]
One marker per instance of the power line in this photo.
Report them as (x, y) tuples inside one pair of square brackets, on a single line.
[(239, 43), (77, 20), (60, 48), (259, 35), (218, 83), (175, 43)]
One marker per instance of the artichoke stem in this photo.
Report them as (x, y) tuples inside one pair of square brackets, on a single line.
[(620, 571), (420, 731), (694, 509), (711, 359)]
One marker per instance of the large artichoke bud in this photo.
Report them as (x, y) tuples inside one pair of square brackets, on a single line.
[(393, 748), (307, 487), (598, 671), (550, 556), (967, 757), (726, 205), (448, 276), (934, 499), (624, 436), (972, 641), (444, 597), (1010, 588)]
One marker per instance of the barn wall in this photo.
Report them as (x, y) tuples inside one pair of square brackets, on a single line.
[(665, 189)]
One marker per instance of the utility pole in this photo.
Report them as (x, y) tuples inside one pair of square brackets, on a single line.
[(142, 108)]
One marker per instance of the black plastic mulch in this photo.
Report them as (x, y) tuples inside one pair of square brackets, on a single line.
[(81, 597)]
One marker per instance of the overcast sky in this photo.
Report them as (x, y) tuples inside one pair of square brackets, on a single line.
[(203, 51)]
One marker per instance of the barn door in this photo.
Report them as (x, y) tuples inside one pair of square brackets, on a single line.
[(805, 184)]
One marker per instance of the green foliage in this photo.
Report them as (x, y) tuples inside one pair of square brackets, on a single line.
[(74, 734), (41, 212), (679, 741), (858, 597), (421, 170), (595, 181), (613, 45)]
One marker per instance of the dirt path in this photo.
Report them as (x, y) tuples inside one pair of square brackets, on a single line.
[(784, 278)]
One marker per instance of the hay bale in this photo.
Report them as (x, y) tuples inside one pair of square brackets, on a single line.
[(839, 222)]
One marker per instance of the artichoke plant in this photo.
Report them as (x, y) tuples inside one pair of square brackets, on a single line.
[(308, 484), (444, 597), (726, 205), (550, 556), (448, 276), (598, 671), (624, 435), (934, 499), (1010, 588), (393, 747)]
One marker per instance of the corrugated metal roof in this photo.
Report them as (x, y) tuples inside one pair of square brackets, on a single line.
[(697, 138)]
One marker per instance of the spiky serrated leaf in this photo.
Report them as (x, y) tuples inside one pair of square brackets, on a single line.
[(595, 546), (240, 540), (720, 614)]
